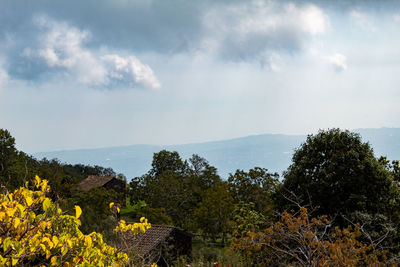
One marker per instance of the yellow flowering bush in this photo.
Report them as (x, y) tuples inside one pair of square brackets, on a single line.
[(35, 232)]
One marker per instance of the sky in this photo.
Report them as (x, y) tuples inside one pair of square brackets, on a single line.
[(99, 73)]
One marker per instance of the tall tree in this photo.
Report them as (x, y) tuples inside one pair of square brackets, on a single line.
[(338, 172), (175, 185), (167, 161), (255, 186), (214, 213), (8, 157)]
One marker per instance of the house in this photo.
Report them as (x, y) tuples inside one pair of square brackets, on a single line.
[(107, 182), (160, 244)]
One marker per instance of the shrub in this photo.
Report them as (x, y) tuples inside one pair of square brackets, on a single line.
[(35, 232)]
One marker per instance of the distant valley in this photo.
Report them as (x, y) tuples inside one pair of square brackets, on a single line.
[(271, 151)]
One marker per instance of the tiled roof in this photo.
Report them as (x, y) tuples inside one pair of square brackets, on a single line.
[(152, 238), (146, 247), (94, 181)]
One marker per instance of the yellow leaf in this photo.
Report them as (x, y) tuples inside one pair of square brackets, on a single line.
[(44, 185), (64, 251), (16, 222), (55, 240), (76, 260), (37, 181), (14, 261), (48, 254), (10, 212), (46, 204), (49, 243), (21, 210), (6, 243), (118, 210), (111, 204), (78, 211), (53, 260), (88, 241)]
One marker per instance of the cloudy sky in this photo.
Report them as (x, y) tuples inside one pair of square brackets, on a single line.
[(85, 74)]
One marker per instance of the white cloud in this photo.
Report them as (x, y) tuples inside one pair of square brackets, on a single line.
[(312, 19), (363, 20), (126, 69), (337, 61), (243, 32), (62, 47)]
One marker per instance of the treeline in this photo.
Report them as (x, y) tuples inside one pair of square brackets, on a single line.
[(336, 204)]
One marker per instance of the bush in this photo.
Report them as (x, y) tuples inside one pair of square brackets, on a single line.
[(35, 232)]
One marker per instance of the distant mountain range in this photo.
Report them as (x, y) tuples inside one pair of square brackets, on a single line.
[(271, 151)]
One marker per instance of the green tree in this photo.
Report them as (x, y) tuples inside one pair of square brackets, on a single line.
[(8, 154), (214, 213), (255, 186), (167, 161), (175, 186), (337, 172)]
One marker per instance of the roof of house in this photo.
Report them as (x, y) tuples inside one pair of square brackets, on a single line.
[(94, 181), (153, 237)]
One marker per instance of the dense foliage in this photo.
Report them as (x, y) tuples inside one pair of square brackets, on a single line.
[(354, 198), (336, 171)]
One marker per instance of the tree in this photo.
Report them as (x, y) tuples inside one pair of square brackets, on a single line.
[(214, 213), (337, 172), (204, 175), (255, 186), (175, 186), (8, 155), (167, 161)]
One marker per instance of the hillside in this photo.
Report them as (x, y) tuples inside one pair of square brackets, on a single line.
[(272, 151)]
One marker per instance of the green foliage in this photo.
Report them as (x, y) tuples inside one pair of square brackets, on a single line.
[(95, 206), (137, 210), (337, 172), (213, 214), (174, 186), (333, 170), (247, 219), (8, 157), (206, 254), (255, 186), (167, 161)]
